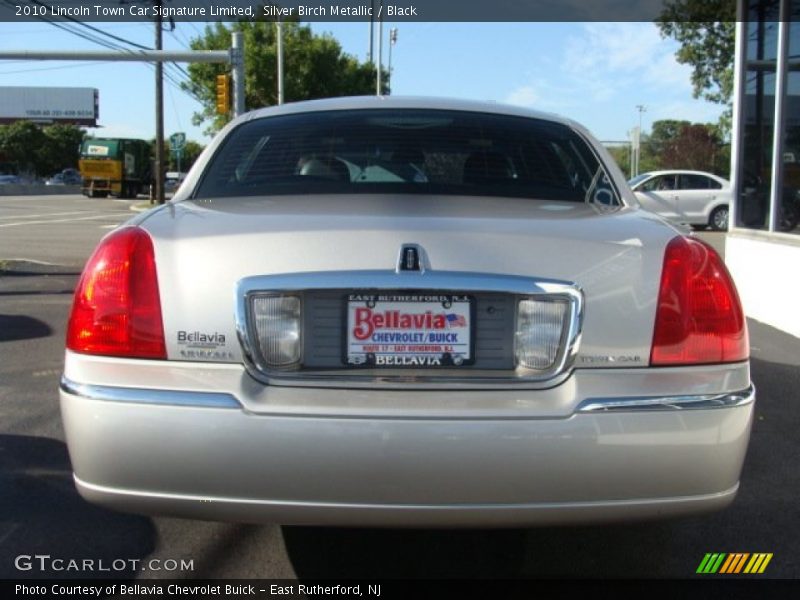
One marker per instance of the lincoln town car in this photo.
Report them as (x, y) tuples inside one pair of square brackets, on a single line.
[(406, 312)]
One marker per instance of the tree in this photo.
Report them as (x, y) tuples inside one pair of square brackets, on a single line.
[(189, 154), (674, 144), (314, 67), (20, 142), (706, 30), (664, 133), (40, 150), (62, 148), (695, 147)]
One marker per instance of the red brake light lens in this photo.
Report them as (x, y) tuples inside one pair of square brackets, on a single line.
[(117, 309), (699, 319)]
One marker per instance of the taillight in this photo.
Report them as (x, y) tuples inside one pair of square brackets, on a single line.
[(699, 318), (117, 310)]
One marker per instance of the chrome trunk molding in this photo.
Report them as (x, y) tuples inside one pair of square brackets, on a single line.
[(149, 396), (425, 280), (664, 403)]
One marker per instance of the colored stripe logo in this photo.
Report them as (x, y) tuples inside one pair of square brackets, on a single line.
[(734, 563)]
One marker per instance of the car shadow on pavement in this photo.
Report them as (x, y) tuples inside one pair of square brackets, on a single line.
[(339, 553), (22, 327), (762, 518), (548, 552), (42, 514)]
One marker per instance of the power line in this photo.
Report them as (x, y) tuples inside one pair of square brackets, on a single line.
[(174, 79), (51, 68), (92, 28)]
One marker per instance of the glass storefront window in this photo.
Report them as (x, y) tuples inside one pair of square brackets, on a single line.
[(790, 205), (756, 161), (759, 109)]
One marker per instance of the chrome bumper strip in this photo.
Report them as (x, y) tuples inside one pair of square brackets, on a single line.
[(149, 396), (702, 402), (224, 400)]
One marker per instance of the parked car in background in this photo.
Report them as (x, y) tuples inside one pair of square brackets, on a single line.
[(393, 311), (693, 197), (9, 179), (65, 177), (173, 180)]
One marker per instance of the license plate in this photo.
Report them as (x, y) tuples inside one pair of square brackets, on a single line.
[(409, 330)]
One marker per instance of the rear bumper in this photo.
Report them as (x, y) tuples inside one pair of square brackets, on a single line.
[(204, 456)]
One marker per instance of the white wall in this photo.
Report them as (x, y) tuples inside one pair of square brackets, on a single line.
[(767, 275)]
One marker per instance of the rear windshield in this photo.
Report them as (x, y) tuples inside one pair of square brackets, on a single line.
[(407, 151)]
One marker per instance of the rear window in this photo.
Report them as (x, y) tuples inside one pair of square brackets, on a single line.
[(407, 151)]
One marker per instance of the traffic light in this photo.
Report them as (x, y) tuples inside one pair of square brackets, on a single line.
[(223, 94)]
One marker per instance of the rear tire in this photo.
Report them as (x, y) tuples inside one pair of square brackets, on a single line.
[(718, 221)]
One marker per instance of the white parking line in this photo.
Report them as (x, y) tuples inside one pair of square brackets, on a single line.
[(108, 216), (55, 214)]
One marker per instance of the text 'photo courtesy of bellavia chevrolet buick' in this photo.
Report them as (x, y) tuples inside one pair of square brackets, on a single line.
[(406, 312)]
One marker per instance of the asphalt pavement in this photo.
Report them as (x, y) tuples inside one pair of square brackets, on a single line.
[(43, 243)]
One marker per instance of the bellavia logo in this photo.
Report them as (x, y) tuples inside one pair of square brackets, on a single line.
[(734, 564)]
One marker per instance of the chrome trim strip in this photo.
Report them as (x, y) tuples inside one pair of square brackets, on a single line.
[(304, 504), (523, 287), (702, 402), (149, 396)]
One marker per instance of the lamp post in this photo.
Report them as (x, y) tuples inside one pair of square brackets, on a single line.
[(641, 108), (279, 43), (378, 80), (392, 42)]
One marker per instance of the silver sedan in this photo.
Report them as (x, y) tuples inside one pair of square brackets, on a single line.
[(692, 197), (389, 311)]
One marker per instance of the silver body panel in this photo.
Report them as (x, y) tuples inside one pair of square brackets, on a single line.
[(613, 255), (204, 435), (435, 465)]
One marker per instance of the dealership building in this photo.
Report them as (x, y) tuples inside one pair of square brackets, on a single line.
[(762, 247)]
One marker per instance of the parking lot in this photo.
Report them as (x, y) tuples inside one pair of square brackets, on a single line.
[(43, 244)]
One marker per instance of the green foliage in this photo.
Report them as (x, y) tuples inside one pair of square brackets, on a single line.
[(19, 143), (676, 144), (663, 133), (40, 150), (62, 148), (622, 156), (189, 154), (706, 31), (314, 67)]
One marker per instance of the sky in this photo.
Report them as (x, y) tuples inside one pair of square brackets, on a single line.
[(595, 73)]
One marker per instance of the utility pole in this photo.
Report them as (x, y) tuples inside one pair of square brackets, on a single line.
[(234, 57), (279, 25), (159, 166), (371, 30), (237, 64), (378, 82)]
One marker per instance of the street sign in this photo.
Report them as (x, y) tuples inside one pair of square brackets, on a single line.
[(177, 141)]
